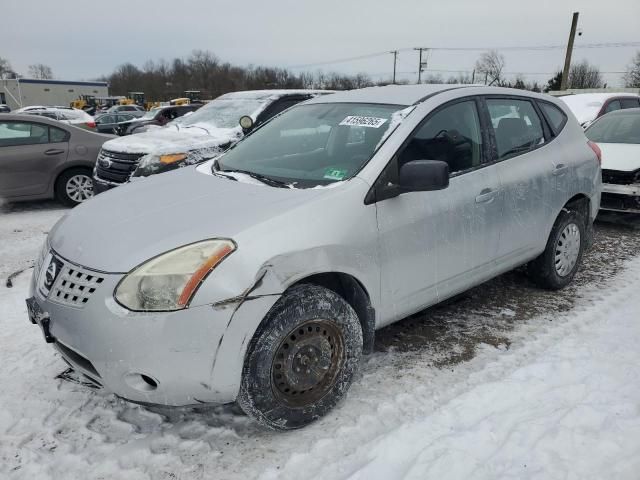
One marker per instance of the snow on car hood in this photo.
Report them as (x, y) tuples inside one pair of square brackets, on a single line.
[(121, 228), (624, 157), (168, 140)]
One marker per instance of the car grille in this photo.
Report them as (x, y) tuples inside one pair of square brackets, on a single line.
[(116, 167), (620, 178), (74, 285)]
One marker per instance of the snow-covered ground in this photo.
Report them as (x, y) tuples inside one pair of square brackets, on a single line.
[(551, 389)]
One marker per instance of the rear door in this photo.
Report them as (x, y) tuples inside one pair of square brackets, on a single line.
[(527, 170), (29, 154)]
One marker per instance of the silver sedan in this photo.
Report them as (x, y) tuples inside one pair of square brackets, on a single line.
[(261, 276)]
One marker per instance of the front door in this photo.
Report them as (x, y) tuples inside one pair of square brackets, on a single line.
[(435, 244)]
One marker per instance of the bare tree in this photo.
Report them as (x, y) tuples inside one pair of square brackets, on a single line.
[(40, 71), (5, 69), (490, 65), (584, 75), (632, 77)]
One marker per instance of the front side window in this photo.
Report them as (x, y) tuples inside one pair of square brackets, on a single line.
[(312, 145), (612, 106), (22, 133), (621, 127), (450, 135), (516, 125)]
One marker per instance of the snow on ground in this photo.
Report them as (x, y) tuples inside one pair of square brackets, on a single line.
[(557, 396)]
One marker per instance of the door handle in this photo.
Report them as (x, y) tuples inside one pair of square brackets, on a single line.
[(561, 169), (53, 151), (487, 195)]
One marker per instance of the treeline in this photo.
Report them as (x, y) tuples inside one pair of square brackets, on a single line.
[(203, 71)]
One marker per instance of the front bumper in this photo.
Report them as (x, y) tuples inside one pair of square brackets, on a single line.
[(187, 357), (100, 185), (620, 198)]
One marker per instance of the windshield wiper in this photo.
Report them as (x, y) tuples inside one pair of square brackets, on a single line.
[(198, 126), (272, 182)]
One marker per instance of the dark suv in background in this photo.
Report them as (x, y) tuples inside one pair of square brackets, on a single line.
[(159, 116)]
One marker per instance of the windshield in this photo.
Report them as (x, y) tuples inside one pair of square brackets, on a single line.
[(150, 114), (224, 113), (616, 128), (313, 145)]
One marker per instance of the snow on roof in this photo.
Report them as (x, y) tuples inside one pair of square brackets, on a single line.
[(269, 94), (585, 106)]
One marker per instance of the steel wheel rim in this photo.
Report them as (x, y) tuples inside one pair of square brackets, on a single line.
[(79, 188), (307, 363), (567, 250)]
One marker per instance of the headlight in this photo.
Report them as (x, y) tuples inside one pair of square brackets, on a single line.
[(150, 164), (169, 281)]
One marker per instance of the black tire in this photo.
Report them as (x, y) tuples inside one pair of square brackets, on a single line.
[(543, 270), (61, 185), (324, 331)]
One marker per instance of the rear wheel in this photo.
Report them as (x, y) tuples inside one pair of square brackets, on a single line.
[(74, 186), (557, 265), (302, 360)]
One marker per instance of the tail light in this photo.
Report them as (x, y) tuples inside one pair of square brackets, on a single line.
[(91, 124), (596, 149)]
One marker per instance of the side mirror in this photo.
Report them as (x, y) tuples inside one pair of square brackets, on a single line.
[(423, 176), (246, 122)]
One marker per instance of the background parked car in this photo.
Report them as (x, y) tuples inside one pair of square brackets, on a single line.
[(43, 158), (589, 106), (205, 133), (116, 123), (160, 116), (135, 110), (4, 108), (618, 136), (71, 116)]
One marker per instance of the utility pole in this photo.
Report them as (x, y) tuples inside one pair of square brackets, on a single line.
[(395, 58), (421, 65), (567, 57)]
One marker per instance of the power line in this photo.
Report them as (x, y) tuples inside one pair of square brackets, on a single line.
[(469, 49)]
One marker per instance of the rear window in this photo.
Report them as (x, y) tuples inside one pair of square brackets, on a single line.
[(555, 116)]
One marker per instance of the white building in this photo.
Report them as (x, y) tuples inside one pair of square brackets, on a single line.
[(24, 92)]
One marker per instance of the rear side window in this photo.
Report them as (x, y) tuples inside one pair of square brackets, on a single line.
[(516, 125), (57, 135), (630, 102), (23, 133), (555, 116)]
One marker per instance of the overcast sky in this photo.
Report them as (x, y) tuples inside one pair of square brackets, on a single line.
[(83, 39)]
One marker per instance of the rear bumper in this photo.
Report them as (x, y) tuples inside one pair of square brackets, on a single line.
[(620, 198)]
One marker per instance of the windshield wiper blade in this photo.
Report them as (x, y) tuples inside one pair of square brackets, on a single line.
[(198, 126), (272, 182)]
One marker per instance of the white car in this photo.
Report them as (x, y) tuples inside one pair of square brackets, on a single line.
[(589, 106), (68, 115), (618, 136)]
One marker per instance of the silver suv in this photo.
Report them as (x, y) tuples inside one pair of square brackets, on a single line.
[(260, 277)]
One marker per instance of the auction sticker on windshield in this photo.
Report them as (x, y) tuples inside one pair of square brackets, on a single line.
[(334, 173), (356, 121)]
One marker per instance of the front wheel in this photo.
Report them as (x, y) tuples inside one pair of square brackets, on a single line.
[(557, 265), (74, 186), (302, 359)]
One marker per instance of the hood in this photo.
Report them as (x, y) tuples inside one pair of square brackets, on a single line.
[(171, 140), (121, 228), (624, 157)]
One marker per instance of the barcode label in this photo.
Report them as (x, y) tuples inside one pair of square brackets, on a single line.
[(356, 121)]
